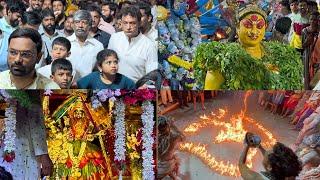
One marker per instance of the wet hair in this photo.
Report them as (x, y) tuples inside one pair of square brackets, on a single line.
[(102, 55), (28, 33), (83, 15), (283, 25), (62, 1), (61, 63), (154, 76), (47, 12), (146, 7), (131, 11), (5, 175), (63, 42), (284, 162), (16, 7), (31, 18)]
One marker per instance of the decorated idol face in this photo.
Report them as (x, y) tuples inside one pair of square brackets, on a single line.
[(251, 30)]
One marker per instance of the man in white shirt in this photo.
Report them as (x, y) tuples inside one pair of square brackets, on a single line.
[(137, 54), (31, 154), (24, 52), (84, 48)]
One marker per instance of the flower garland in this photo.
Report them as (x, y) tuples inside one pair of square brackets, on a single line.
[(103, 95), (147, 138), (120, 131), (10, 127), (10, 134)]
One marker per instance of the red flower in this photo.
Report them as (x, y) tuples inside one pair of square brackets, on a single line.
[(9, 156), (130, 100), (69, 163), (139, 135), (83, 163)]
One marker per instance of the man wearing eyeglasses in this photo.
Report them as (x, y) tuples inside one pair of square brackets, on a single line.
[(24, 52)]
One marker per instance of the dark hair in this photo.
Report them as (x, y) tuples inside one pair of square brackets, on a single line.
[(284, 162), (112, 6), (146, 7), (70, 16), (27, 33), (293, 1), (47, 12), (301, 1), (131, 11), (154, 76), (122, 3), (16, 6), (312, 3), (1, 7), (283, 25), (63, 42), (5, 175), (285, 3), (315, 13), (31, 18), (61, 63), (102, 55), (62, 1), (93, 8)]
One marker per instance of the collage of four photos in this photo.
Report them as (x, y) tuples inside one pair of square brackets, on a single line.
[(159, 89)]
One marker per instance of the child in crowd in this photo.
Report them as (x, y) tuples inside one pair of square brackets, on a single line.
[(61, 73), (60, 50), (108, 77)]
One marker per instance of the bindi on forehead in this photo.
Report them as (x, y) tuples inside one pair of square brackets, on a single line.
[(254, 20), (254, 17)]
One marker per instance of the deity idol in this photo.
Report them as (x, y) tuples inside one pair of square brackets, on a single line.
[(251, 63), (71, 146)]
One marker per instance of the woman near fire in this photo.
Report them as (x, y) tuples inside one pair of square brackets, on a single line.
[(280, 162)]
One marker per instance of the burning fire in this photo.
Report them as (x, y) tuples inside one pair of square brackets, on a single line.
[(232, 131)]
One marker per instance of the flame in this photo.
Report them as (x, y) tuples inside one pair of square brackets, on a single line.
[(232, 131), (219, 166)]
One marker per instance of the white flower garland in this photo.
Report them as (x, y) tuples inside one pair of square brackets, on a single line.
[(147, 153), (120, 131), (10, 127)]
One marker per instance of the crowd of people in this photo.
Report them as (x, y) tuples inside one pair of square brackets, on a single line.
[(296, 23), (302, 107), (52, 44)]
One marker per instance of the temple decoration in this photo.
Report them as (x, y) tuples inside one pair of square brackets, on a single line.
[(103, 133)]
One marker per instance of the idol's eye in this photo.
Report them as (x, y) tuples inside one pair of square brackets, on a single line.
[(260, 24), (247, 23)]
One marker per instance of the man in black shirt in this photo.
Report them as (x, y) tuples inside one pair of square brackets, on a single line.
[(95, 32)]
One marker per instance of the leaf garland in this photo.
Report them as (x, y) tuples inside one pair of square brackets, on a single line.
[(25, 98), (241, 71)]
